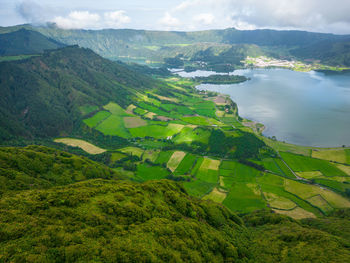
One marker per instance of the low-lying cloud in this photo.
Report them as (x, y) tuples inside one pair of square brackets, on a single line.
[(311, 15), (86, 19), (314, 15)]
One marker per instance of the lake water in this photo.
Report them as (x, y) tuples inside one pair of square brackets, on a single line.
[(310, 108)]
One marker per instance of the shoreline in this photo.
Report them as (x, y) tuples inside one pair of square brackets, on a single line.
[(258, 128)]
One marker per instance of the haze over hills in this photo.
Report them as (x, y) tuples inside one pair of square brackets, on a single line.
[(143, 45)]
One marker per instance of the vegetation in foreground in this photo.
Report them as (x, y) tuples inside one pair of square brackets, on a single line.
[(109, 219)]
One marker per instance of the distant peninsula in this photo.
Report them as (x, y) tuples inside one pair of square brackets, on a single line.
[(221, 79)]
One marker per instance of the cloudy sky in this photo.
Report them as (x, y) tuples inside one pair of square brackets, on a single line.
[(312, 15)]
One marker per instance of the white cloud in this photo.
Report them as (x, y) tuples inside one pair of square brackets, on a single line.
[(85, 19), (116, 18), (77, 19), (169, 22), (314, 15), (204, 19)]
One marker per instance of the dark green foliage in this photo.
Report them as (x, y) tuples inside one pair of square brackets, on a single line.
[(247, 146), (277, 238), (162, 71), (329, 52), (221, 79), (118, 222), (174, 62), (36, 167), (243, 147), (25, 42)]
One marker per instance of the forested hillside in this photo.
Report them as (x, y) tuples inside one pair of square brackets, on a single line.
[(25, 42), (41, 95)]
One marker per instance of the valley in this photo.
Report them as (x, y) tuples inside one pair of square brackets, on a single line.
[(110, 161)]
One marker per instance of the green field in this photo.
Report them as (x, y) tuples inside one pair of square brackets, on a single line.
[(154, 109), (97, 118), (274, 184), (240, 172), (244, 197), (197, 120), (198, 188), (300, 163), (216, 195), (164, 157), (336, 155), (116, 156), (205, 108), (177, 109), (146, 172), (307, 192), (156, 131), (186, 164), (88, 109), (115, 109), (113, 125), (132, 151), (190, 134)]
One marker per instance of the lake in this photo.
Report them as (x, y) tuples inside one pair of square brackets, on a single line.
[(304, 108)]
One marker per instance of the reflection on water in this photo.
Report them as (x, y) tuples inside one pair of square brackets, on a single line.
[(302, 108)]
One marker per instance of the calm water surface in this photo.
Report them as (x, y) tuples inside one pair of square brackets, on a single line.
[(302, 108)]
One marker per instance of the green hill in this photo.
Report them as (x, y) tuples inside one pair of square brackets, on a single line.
[(328, 52), (104, 220), (41, 96), (37, 167), (25, 42)]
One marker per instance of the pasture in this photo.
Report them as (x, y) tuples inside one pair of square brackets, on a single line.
[(151, 155), (86, 146), (134, 122), (186, 164), (146, 172), (116, 156), (190, 134), (306, 191), (164, 157), (113, 125), (296, 213), (279, 202), (156, 131), (132, 151), (216, 195), (336, 155), (300, 163), (198, 188), (244, 198), (175, 160), (97, 118)]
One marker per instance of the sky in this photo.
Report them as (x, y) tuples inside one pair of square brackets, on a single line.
[(331, 16)]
